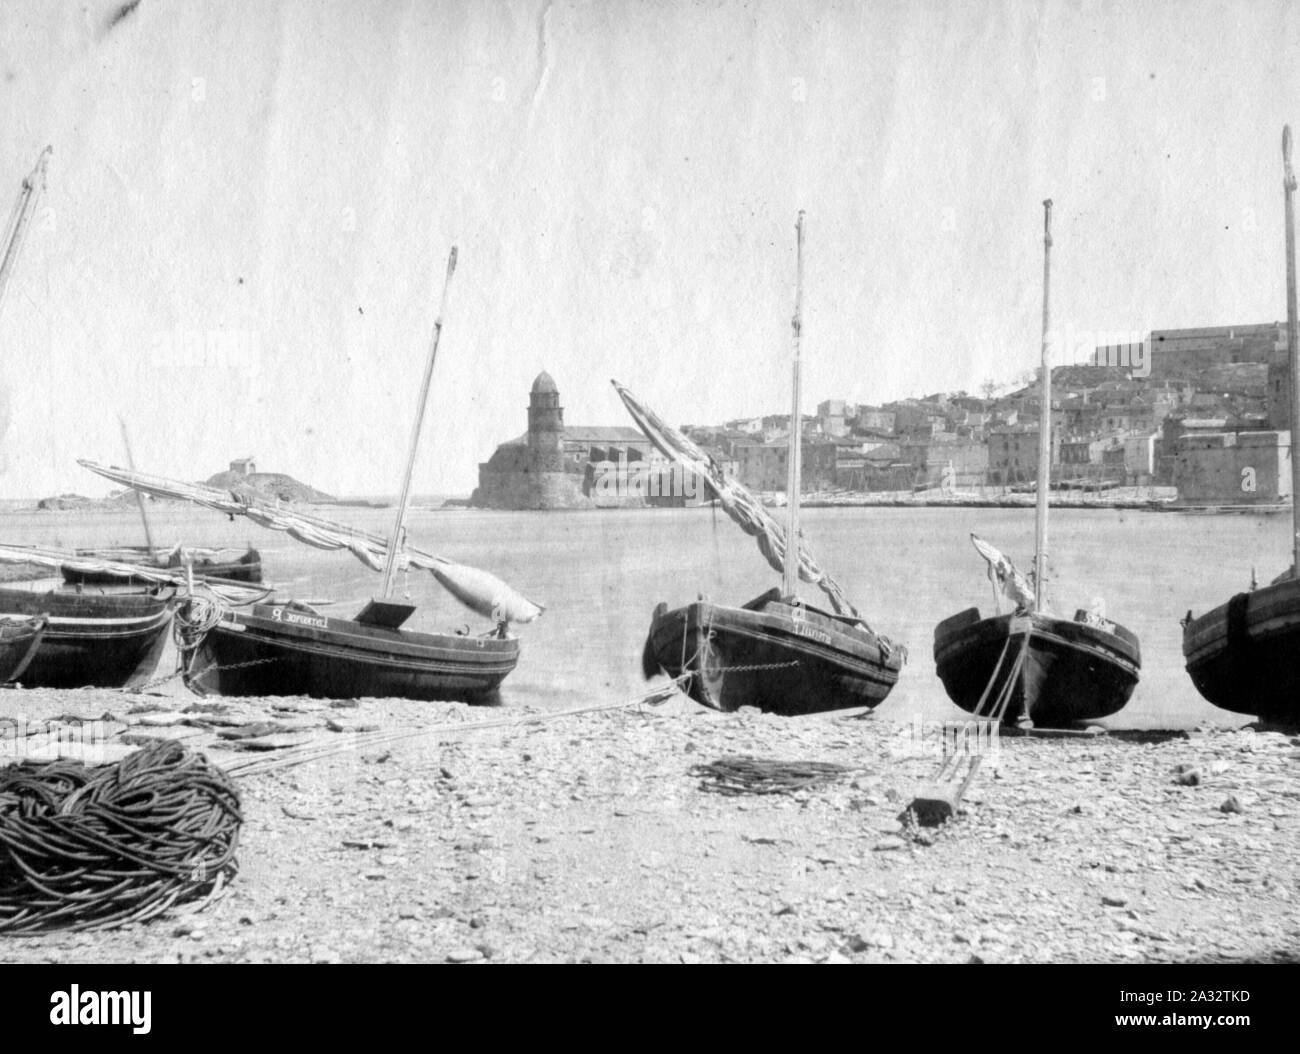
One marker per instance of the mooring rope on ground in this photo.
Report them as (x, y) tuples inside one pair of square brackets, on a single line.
[(742, 774), (291, 756), (87, 848)]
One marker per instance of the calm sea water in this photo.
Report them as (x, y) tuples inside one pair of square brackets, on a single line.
[(601, 573)]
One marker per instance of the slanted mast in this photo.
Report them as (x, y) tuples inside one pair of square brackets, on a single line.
[(395, 542), (21, 218)]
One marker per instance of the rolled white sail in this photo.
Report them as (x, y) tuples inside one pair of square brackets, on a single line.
[(485, 593), (1015, 586), (478, 590)]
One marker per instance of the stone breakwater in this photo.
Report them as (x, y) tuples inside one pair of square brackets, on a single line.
[(587, 838)]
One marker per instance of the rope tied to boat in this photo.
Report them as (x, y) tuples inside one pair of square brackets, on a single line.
[(86, 848), (202, 610), (697, 664), (962, 756), (1002, 700)]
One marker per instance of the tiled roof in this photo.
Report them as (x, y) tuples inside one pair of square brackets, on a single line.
[(602, 434)]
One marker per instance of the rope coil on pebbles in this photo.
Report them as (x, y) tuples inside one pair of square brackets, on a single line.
[(85, 848)]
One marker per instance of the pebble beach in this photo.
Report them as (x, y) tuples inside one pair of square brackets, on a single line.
[(517, 835)]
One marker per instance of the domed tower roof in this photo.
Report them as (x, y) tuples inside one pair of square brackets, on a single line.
[(544, 383)]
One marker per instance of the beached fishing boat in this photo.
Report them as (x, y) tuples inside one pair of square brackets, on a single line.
[(777, 652), (1073, 671), (290, 649), (229, 565), (1029, 667), (1244, 656), (66, 638), (93, 638)]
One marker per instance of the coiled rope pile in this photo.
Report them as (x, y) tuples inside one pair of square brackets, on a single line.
[(90, 848), (741, 774), (193, 620)]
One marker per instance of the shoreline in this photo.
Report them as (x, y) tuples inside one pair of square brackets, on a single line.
[(1069, 499)]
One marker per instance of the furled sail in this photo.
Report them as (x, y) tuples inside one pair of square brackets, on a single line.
[(55, 559), (739, 503), (1004, 574), (480, 591)]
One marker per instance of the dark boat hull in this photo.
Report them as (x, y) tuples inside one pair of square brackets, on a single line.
[(93, 639), (1244, 656), (1073, 672), (248, 568), (765, 655), (275, 650), (16, 646)]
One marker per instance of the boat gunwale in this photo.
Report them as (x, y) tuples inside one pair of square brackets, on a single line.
[(148, 603), (691, 616), (373, 640), (1105, 644), (1206, 636), (489, 664)]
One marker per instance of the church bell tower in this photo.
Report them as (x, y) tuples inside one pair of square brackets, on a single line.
[(546, 425)]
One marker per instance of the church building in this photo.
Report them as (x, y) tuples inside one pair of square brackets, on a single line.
[(552, 466)]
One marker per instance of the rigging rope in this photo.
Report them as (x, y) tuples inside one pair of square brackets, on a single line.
[(1008, 686), (291, 756), (196, 618)]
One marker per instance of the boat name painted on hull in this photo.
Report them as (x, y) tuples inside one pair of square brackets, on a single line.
[(298, 619), (812, 634)]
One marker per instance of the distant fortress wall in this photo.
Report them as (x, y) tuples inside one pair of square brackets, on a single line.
[(1225, 468)]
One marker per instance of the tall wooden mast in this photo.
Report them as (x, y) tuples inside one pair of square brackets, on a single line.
[(1044, 423), (794, 479), (1288, 187), (399, 525)]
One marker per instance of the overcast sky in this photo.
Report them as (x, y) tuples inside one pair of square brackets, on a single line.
[(250, 206)]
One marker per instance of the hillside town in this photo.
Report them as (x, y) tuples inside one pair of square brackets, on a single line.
[(1202, 411), (1197, 415)]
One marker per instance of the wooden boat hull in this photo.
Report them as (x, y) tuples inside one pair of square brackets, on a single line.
[(275, 650), (1244, 656), (247, 568), (93, 639), (16, 645), (765, 655), (1073, 672)]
